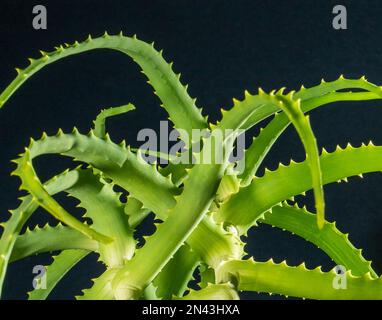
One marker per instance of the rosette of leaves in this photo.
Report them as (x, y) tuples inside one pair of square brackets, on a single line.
[(202, 209)]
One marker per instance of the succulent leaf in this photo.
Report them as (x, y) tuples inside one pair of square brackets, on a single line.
[(21, 215), (48, 239), (62, 263), (166, 83), (173, 279), (100, 121), (225, 291), (101, 289), (261, 145), (279, 278), (287, 181), (202, 207), (334, 243)]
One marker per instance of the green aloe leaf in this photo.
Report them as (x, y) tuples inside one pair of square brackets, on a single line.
[(101, 288), (31, 183), (279, 278), (104, 207), (173, 279), (301, 122), (224, 291), (175, 99), (261, 144), (62, 264), (48, 239), (100, 121), (202, 183), (339, 84), (201, 208), (21, 215), (127, 170), (333, 242), (288, 181)]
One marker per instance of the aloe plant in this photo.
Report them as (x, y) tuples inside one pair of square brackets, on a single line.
[(203, 208)]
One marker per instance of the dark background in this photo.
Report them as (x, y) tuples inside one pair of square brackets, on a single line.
[(221, 48)]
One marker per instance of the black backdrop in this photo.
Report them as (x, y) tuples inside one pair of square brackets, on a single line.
[(221, 48)]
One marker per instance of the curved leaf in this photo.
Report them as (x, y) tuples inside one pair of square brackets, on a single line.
[(31, 183), (334, 243), (100, 121), (288, 181), (21, 215), (49, 239), (61, 265), (166, 83), (339, 84), (202, 184), (261, 144), (104, 208), (301, 122), (101, 289), (126, 169), (298, 281)]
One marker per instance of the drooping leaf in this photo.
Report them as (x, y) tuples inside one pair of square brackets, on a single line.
[(261, 144), (125, 169), (100, 121), (333, 242), (21, 215), (31, 183), (166, 83), (292, 109)]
